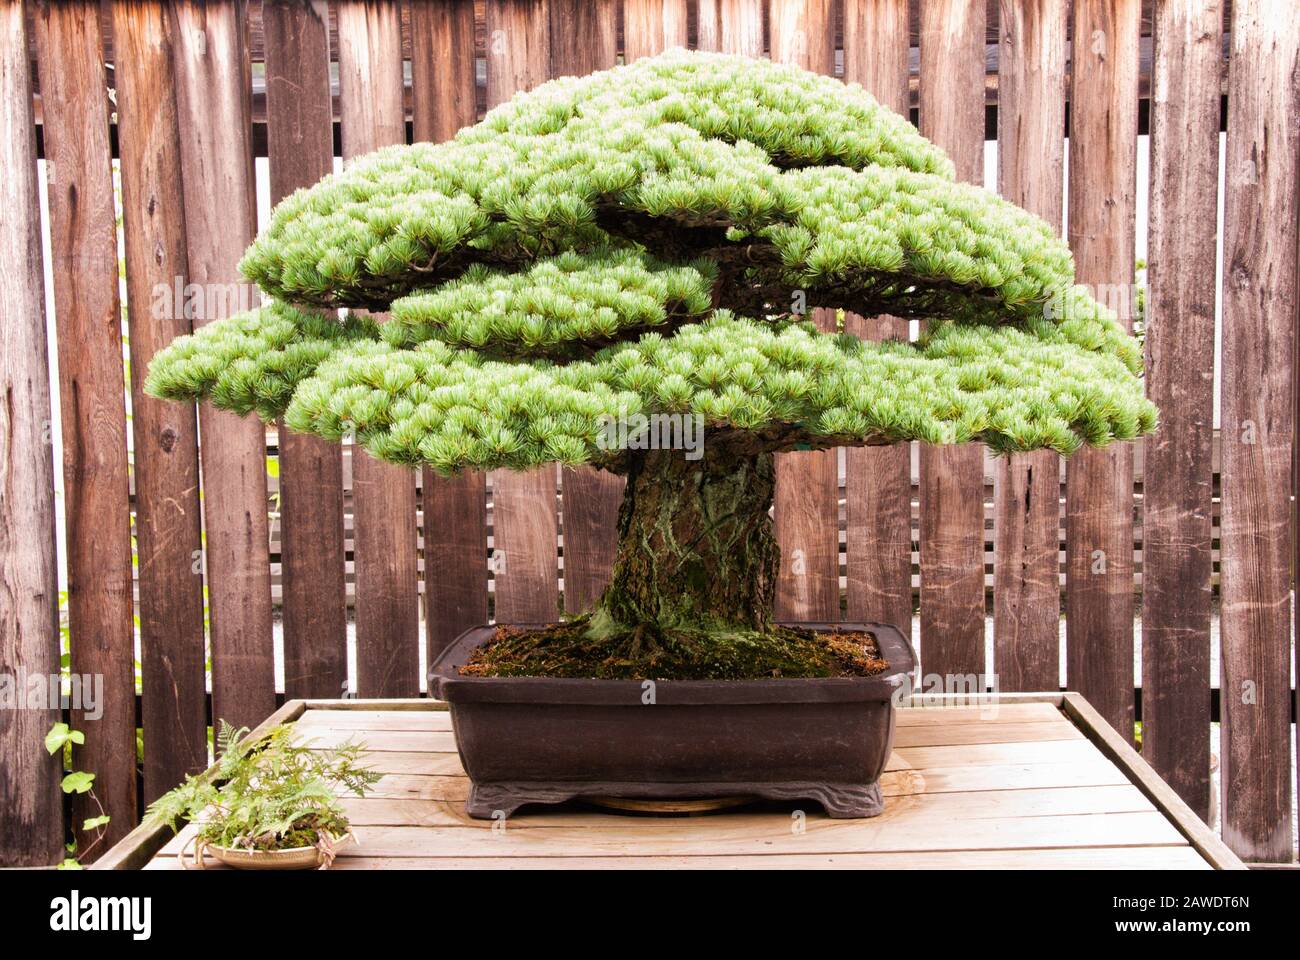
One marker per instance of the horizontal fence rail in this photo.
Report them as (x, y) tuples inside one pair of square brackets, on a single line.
[(214, 566)]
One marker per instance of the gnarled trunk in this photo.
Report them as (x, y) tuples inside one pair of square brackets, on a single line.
[(696, 549)]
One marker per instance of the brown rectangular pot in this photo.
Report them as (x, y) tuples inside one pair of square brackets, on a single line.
[(547, 740)]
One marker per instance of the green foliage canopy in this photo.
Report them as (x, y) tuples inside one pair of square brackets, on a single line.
[(648, 240)]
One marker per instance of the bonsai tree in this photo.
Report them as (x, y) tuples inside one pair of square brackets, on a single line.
[(650, 240)]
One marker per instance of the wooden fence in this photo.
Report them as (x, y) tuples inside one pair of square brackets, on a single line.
[(167, 542)]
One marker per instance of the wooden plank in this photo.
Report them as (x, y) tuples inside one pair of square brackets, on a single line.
[(300, 149), (708, 25), (138, 847), (213, 89), (1177, 491), (652, 26), (1119, 751), (582, 41), (806, 509), (524, 528), (740, 27), (375, 720), (1080, 858), (952, 481), (1099, 492), (383, 494), (592, 499), (518, 47), (583, 36), (1031, 118), (83, 264), (31, 831), (958, 733), (982, 754), (878, 480), (1258, 418), (166, 469), (748, 833), (455, 508), (442, 68)]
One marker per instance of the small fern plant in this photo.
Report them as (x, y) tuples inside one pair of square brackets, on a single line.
[(268, 793)]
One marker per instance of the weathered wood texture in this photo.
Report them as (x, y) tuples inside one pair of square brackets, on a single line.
[(525, 533), (1258, 419), (731, 26), (807, 510), (83, 263), (1027, 486), (300, 150), (952, 477), (878, 480), (1023, 785), (213, 94), (1178, 488), (1099, 488), (652, 26), (455, 509), (383, 495), (166, 468), (31, 831)]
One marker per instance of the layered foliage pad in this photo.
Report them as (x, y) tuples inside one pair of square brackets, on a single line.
[(642, 241)]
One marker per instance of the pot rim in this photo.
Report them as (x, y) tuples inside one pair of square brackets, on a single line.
[(446, 682)]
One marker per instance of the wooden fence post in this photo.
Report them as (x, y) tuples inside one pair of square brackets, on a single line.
[(652, 26), (524, 531), (455, 508), (1258, 425), (807, 509), (952, 477), (213, 90), (1178, 473), (300, 151), (878, 480), (1027, 488), (166, 467), (383, 494), (31, 830), (83, 263), (1099, 483), (590, 498)]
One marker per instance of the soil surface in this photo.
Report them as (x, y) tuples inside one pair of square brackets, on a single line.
[(565, 650)]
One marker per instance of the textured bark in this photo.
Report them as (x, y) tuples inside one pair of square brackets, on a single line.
[(695, 548)]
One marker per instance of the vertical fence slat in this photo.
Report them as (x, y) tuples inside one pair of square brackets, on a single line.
[(1178, 476), (455, 508), (740, 27), (708, 25), (524, 529), (806, 510), (383, 494), (1099, 483), (166, 468), (1259, 317), (300, 150), (878, 480), (83, 263), (583, 40), (31, 830), (214, 95), (583, 36), (1027, 488), (952, 477), (652, 26)]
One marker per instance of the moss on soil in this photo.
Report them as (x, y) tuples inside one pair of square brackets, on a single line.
[(569, 650)]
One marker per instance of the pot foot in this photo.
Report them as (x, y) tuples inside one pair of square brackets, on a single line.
[(498, 801)]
